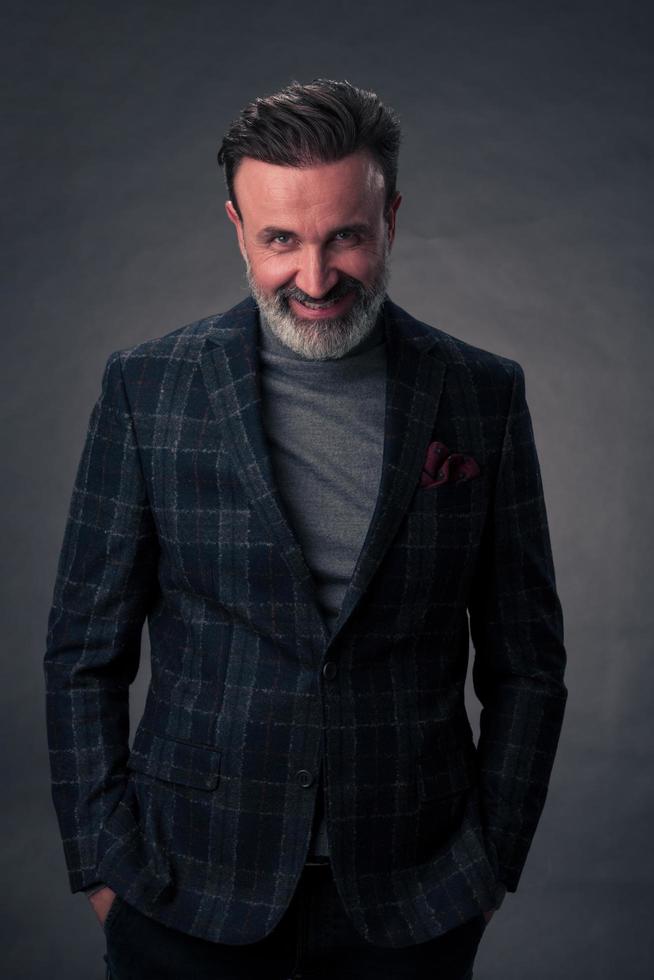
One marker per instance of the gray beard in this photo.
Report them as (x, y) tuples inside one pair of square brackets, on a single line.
[(333, 337)]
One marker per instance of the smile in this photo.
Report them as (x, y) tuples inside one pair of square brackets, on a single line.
[(318, 306), (332, 307)]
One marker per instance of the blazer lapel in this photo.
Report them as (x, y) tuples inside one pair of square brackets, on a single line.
[(231, 376), (413, 389)]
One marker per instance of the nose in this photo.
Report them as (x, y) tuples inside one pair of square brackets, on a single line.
[(315, 275)]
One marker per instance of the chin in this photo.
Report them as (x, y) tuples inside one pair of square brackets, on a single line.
[(319, 326)]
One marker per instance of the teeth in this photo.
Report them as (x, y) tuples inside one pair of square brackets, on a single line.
[(319, 306)]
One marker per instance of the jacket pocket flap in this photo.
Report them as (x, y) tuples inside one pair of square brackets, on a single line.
[(444, 776), (174, 760)]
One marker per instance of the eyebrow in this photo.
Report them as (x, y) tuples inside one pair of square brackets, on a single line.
[(271, 231)]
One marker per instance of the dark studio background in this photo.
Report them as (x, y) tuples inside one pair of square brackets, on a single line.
[(525, 229)]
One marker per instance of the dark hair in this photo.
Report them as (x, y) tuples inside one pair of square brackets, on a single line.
[(320, 122)]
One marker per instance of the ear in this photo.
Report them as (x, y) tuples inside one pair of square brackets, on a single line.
[(391, 217), (238, 224)]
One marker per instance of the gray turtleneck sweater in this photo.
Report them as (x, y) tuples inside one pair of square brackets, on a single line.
[(324, 421)]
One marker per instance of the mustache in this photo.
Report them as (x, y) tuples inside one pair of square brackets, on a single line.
[(344, 286)]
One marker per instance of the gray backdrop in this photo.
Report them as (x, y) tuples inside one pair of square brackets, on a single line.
[(525, 229)]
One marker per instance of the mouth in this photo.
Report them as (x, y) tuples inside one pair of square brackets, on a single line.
[(317, 310)]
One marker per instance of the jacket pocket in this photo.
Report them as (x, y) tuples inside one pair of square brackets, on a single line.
[(443, 777), (174, 760), (446, 762), (115, 909)]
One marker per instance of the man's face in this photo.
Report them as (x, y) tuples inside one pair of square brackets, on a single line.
[(316, 248)]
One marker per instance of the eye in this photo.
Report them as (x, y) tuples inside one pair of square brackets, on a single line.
[(278, 237), (346, 233)]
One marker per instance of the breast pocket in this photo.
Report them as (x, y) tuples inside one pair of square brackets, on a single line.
[(443, 529), (455, 495)]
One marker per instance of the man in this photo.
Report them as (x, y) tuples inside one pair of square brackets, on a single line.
[(312, 498)]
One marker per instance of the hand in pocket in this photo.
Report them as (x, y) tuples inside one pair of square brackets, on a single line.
[(102, 900)]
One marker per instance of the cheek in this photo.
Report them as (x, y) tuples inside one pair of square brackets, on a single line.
[(360, 265), (273, 272)]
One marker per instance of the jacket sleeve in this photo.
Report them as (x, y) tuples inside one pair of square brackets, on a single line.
[(105, 584), (516, 627)]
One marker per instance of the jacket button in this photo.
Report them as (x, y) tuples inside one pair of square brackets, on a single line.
[(304, 778), (330, 670)]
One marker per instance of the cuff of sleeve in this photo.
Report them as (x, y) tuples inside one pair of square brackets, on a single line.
[(92, 889), (500, 892)]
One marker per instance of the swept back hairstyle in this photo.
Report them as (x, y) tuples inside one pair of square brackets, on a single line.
[(320, 122)]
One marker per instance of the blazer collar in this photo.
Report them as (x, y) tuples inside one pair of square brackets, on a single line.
[(230, 368)]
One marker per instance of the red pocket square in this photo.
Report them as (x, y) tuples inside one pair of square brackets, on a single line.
[(441, 466)]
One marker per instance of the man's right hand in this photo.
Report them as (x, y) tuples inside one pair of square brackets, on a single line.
[(101, 902)]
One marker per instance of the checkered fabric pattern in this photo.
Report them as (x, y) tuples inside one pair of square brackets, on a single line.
[(204, 823)]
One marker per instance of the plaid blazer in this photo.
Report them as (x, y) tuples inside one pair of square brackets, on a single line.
[(204, 823)]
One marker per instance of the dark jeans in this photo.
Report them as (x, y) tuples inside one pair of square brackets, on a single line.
[(314, 940)]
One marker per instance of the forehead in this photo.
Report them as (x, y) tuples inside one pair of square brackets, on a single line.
[(268, 193)]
